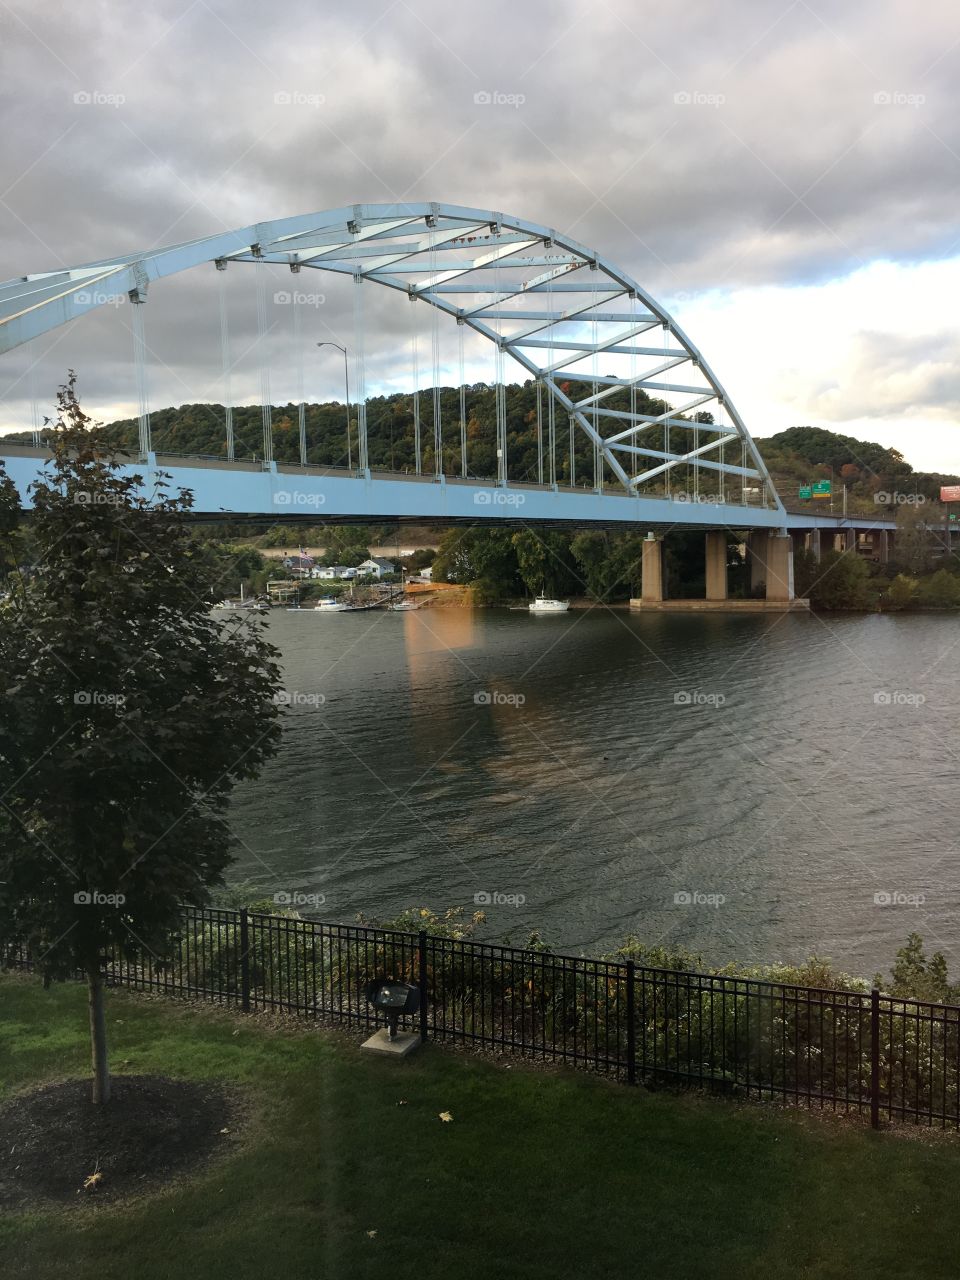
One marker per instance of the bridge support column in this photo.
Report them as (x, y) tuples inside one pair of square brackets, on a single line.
[(815, 543), (757, 556), (850, 540), (716, 565), (651, 570), (779, 567), (882, 543)]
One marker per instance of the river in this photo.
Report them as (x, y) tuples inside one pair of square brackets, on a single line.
[(742, 785)]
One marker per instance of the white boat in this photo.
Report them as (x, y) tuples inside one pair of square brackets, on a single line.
[(543, 604), (330, 604), (405, 606)]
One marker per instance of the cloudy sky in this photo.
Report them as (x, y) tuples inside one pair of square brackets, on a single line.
[(783, 176)]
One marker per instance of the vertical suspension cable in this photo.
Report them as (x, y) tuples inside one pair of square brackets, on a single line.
[(501, 412), (633, 391), (551, 402), (435, 353), (266, 411), (416, 390), (360, 372), (597, 452), (437, 408), (668, 474), (463, 404), (301, 406), (140, 366), (34, 406), (633, 376), (225, 358), (500, 398), (539, 431), (743, 464), (552, 437)]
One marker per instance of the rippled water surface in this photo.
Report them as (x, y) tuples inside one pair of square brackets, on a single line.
[(783, 784)]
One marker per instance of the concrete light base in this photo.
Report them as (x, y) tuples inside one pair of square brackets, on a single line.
[(721, 606), (407, 1042)]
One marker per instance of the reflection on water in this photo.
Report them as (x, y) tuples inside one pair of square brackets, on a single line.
[(602, 764)]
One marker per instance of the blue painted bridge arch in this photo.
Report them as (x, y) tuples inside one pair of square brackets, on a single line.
[(562, 312)]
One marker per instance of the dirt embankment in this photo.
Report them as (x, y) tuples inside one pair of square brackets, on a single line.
[(440, 595)]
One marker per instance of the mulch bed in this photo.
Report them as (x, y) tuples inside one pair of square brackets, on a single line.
[(54, 1138)]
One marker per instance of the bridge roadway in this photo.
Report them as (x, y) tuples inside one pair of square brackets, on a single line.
[(285, 492)]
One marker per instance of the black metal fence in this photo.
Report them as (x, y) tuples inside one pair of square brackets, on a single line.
[(856, 1052)]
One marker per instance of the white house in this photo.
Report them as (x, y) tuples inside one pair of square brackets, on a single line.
[(328, 571), (376, 567)]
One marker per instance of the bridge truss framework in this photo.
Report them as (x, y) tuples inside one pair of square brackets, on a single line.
[(566, 315)]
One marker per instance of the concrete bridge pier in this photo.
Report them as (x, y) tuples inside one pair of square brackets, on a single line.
[(757, 558), (771, 562), (651, 570), (779, 556), (815, 544), (716, 564)]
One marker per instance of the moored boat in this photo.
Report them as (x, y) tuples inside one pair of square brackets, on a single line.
[(543, 604)]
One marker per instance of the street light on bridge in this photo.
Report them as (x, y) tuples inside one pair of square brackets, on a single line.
[(346, 379)]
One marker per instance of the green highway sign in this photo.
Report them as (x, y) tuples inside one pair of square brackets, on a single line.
[(804, 491), (821, 489)]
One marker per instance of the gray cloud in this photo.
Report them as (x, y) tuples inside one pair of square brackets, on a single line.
[(787, 163)]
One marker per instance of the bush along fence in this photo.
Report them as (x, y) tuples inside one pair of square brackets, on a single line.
[(856, 1052)]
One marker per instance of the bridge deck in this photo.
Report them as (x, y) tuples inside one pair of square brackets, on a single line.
[(284, 491)]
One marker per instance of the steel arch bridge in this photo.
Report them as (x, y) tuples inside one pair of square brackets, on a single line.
[(576, 324)]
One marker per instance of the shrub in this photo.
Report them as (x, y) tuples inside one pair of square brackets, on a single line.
[(940, 591), (901, 593), (844, 583)]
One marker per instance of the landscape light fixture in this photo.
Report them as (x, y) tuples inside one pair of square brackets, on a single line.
[(395, 1000)]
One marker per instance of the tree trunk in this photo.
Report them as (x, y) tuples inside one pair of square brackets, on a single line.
[(98, 1033)]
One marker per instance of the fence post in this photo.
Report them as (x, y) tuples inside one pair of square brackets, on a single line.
[(631, 1024), (875, 1058), (244, 961), (422, 967)]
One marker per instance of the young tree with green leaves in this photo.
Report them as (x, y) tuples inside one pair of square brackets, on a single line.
[(129, 715), (843, 583), (914, 544)]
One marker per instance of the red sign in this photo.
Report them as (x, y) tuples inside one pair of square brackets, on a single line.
[(950, 493)]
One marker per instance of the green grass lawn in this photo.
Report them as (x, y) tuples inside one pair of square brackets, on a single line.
[(539, 1175)]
